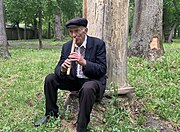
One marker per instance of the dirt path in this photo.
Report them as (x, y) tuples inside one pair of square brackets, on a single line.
[(33, 46)]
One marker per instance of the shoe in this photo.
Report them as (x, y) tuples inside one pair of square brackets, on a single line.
[(42, 121)]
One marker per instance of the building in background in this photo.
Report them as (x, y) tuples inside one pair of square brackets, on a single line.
[(11, 31)]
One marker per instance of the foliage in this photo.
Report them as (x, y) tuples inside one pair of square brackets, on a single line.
[(22, 99), (171, 15), (13, 10), (131, 14), (169, 12), (71, 8), (25, 11)]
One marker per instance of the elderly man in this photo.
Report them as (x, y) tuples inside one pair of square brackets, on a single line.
[(87, 74)]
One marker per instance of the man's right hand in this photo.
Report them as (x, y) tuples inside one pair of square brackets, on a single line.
[(65, 65)]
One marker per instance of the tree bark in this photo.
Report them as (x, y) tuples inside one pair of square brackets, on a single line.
[(3, 37), (58, 25), (35, 28), (108, 20), (49, 30), (85, 8), (175, 32), (40, 29), (171, 33), (146, 39), (18, 32), (25, 31)]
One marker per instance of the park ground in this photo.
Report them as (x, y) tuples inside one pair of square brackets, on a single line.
[(155, 107)]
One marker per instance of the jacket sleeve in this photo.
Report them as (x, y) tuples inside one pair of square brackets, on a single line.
[(97, 68), (58, 66)]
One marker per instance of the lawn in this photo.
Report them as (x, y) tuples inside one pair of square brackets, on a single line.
[(156, 104)]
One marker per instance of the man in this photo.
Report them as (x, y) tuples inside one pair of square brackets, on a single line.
[(87, 75)]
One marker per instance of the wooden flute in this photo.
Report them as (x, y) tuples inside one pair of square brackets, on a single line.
[(72, 50)]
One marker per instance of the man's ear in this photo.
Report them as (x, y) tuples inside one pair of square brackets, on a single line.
[(85, 30)]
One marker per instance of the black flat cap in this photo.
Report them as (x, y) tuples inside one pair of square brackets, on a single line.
[(76, 22)]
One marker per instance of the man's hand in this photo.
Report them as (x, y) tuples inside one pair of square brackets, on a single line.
[(74, 56), (65, 65)]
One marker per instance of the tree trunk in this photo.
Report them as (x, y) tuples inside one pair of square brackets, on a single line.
[(179, 32), (175, 32), (171, 33), (35, 29), (85, 8), (40, 29), (25, 31), (108, 20), (146, 39), (3, 38), (18, 32), (167, 25), (49, 30), (58, 25)]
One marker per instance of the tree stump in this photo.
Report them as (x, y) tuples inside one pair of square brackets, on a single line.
[(72, 102), (71, 105)]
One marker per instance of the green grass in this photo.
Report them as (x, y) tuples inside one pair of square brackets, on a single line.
[(159, 82), (21, 82), (22, 99)]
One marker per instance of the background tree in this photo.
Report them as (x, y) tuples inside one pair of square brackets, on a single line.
[(176, 4), (3, 37), (69, 10), (40, 27), (14, 13), (131, 14), (171, 16), (29, 13), (146, 38), (108, 20), (53, 12), (58, 29)]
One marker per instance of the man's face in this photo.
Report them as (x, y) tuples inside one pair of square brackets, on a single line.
[(78, 33)]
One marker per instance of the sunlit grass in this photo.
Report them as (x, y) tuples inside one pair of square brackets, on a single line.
[(174, 45)]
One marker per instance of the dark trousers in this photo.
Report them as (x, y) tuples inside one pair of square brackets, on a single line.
[(88, 90)]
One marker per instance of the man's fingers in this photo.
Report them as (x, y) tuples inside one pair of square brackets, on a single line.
[(67, 61), (66, 65)]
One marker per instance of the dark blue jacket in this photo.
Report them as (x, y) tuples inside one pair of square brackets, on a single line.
[(95, 68)]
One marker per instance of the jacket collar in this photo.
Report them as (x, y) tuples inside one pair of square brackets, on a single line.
[(88, 47)]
